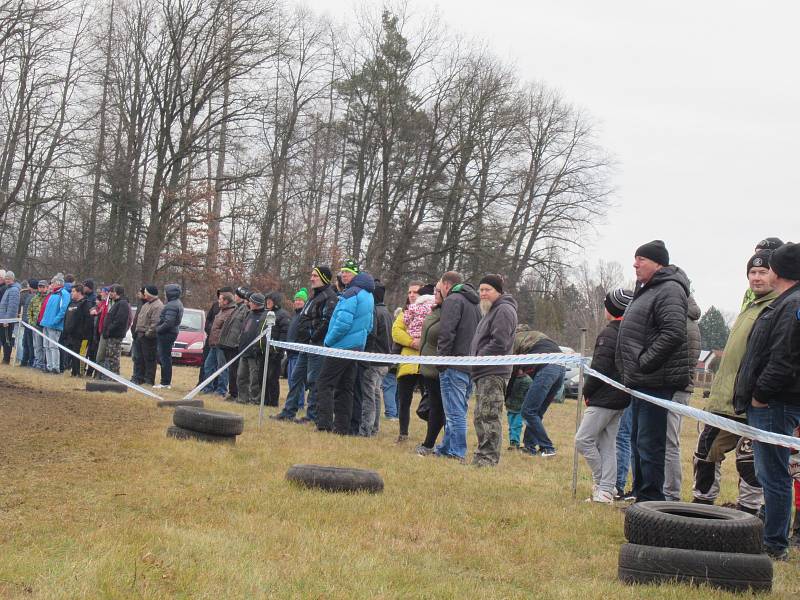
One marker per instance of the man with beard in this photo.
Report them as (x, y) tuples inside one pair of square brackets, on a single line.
[(493, 337)]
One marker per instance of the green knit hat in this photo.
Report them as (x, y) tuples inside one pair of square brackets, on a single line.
[(351, 266), (302, 294)]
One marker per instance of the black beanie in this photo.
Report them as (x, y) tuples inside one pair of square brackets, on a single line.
[(325, 273), (151, 290), (617, 301), (759, 259), (655, 251), (242, 292), (427, 290), (770, 243), (496, 281), (785, 261)]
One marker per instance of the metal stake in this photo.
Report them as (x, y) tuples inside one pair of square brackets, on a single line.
[(270, 321), (578, 414)]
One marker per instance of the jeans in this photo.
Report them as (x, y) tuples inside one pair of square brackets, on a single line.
[(28, 354), (514, 427), (52, 352), (772, 470), (455, 387), (545, 385), (298, 377), (291, 362), (165, 343), (214, 360), (389, 386), (649, 442), (624, 447), (672, 456)]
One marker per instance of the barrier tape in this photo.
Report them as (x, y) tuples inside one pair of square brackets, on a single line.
[(211, 377), (95, 366), (748, 431)]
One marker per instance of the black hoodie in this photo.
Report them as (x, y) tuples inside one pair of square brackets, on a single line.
[(652, 346), (460, 316)]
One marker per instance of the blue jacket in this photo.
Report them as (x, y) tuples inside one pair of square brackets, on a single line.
[(9, 305), (351, 320), (169, 321), (56, 310)]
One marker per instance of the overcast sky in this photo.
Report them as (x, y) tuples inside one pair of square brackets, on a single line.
[(697, 102)]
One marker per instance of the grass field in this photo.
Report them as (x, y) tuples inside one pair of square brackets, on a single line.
[(95, 502)]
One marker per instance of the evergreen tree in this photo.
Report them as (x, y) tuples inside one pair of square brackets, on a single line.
[(713, 330)]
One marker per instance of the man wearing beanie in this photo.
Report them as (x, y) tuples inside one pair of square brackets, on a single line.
[(251, 364), (713, 443), (229, 339), (597, 435), (145, 336), (652, 356), (300, 299), (768, 391), (312, 326), (494, 336)]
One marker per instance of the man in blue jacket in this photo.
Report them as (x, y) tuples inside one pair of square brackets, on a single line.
[(52, 322), (349, 327)]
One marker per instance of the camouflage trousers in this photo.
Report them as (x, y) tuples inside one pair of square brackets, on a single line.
[(490, 392), (113, 350)]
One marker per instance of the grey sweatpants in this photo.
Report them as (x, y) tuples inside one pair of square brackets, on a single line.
[(672, 454), (596, 440)]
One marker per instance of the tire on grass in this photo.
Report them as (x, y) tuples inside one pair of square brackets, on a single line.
[(336, 479), (726, 570), (187, 434), (106, 386), (204, 420), (693, 527), (167, 403)]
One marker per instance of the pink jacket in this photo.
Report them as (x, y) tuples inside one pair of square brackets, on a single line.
[(414, 315)]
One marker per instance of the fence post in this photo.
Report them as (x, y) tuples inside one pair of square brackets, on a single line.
[(269, 321)]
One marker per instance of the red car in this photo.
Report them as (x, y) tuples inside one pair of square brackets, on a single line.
[(188, 347)]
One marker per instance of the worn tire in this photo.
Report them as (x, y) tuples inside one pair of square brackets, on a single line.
[(106, 386), (169, 403), (187, 434), (336, 479), (729, 571), (204, 420), (693, 527)]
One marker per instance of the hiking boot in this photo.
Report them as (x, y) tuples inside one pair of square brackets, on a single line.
[(423, 450)]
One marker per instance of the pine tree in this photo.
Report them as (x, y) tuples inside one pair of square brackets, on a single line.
[(713, 330)]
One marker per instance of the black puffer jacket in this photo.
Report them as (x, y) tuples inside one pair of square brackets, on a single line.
[(595, 391), (379, 339), (770, 369), (116, 323), (495, 336), (652, 348), (693, 338), (459, 320), (316, 316), (169, 322)]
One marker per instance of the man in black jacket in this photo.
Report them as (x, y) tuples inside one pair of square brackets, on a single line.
[(459, 319), (77, 328), (768, 390), (597, 435), (311, 329), (652, 356), (115, 326), (169, 324), (251, 363), (280, 331)]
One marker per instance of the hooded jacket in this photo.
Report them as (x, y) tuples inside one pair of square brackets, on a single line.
[(652, 348), (78, 322), (351, 320), (147, 317), (55, 309), (693, 338), (459, 319), (379, 339), (407, 327), (720, 401), (316, 315), (495, 337), (252, 327), (428, 343), (169, 321), (116, 323), (769, 371), (596, 392), (9, 304), (280, 331)]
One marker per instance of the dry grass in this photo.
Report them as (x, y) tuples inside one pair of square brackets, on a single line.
[(96, 503)]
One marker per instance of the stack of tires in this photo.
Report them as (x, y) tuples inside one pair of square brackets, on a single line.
[(197, 423), (696, 544)]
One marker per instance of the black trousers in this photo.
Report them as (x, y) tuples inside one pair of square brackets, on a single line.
[(7, 341), (272, 397), (405, 393), (436, 417), (335, 394), (145, 366), (233, 372)]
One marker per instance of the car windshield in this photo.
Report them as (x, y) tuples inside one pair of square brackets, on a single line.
[(192, 321)]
